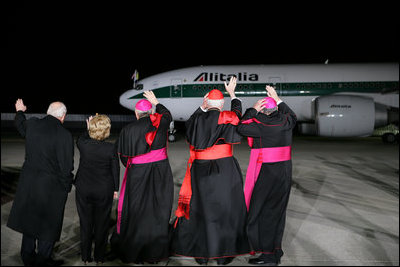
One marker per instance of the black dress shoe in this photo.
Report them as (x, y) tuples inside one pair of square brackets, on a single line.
[(29, 260), (224, 261), (258, 261), (53, 262), (202, 261), (111, 256)]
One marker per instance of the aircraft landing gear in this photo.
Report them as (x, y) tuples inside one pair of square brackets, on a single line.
[(171, 132), (389, 138)]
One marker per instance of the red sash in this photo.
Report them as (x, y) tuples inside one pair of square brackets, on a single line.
[(185, 193)]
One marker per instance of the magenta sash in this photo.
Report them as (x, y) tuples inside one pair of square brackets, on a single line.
[(152, 156), (257, 158)]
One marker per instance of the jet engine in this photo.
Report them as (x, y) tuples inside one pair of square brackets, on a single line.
[(348, 115)]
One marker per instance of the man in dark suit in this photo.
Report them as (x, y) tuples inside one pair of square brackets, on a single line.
[(44, 183)]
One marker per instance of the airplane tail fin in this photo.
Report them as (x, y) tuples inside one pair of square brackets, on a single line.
[(135, 78)]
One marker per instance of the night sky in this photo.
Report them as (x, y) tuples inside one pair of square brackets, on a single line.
[(85, 54)]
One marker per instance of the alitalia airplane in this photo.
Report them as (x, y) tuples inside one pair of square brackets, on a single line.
[(337, 100)]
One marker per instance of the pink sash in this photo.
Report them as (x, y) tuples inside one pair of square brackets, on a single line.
[(257, 158), (152, 156)]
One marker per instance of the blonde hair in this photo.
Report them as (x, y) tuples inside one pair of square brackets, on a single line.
[(99, 127)]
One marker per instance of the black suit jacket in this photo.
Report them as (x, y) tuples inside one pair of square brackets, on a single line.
[(98, 165), (45, 180)]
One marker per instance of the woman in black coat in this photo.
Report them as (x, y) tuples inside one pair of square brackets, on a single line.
[(97, 182)]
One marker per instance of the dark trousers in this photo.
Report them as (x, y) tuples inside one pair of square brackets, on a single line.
[(94, 216), (28, 251)]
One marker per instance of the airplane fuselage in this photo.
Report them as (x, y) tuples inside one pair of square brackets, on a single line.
[(182, 90)]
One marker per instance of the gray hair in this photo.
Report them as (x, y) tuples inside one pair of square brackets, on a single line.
[(215, 103), (269, 110), (57, 109), (142, 113)]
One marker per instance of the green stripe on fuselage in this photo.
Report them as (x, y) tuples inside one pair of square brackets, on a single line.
[(283, 89)]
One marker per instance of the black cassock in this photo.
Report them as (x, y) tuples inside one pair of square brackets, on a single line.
[(148, 196), (45, 180), (216, 225), (267, 211)]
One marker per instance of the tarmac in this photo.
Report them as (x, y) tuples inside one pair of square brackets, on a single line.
[(343, 208)]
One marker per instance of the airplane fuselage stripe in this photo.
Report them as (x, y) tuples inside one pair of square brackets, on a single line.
[(284, 89)]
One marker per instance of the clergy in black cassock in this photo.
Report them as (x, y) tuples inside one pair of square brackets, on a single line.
[(146, 194), (45, 181), (268, 125), (211, 212)]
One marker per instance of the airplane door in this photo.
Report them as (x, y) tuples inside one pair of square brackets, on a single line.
[(276, 82), (176, 88)]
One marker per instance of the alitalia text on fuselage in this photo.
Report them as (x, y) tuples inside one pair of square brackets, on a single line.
[(215, 77)]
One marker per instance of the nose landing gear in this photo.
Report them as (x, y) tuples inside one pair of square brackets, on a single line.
[(171, 132)]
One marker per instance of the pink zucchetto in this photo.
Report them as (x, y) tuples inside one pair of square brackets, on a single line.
[(270, 103), (143, 105)]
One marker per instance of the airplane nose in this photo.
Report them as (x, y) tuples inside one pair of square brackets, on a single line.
[(124, 99)]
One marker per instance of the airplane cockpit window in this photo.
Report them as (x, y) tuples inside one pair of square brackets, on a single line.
[(138, 87)]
